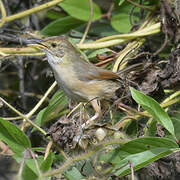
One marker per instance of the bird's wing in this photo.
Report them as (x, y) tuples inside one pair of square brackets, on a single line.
[(87, 71), (101, 74)]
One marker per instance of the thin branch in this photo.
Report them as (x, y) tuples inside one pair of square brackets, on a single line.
[(85, 156), (101, 43), (176, 94), (21, 166), (89, 22), (74, 109), (146, 31), (132, 170), (33, 10), (36, 163), (48, 148), (3, 14), (139, 5), (41, 101), (23, 116), (12, 118)]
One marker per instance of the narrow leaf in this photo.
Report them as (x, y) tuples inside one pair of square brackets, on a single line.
[(137, 146), (139, 152), (154, 109), (14, 137), (57, 104), (140, 160)]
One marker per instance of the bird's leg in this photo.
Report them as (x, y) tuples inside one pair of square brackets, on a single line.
[(97, 107)]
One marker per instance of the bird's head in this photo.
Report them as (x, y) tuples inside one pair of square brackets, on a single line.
[(56, 48)]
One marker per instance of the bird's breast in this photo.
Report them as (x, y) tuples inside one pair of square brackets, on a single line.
[(80, 90), (68, 81)]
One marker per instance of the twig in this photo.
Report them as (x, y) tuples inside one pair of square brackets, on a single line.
[(3, 14), (21, 80), (21, 166), (105, 61), (48, 149), (36, 163), (139, 5), (134, 45), (41, 101), (152, 29), (101, 43), (76, 107), (84, 156), (23, 116), (27, 51), (162, 46), (12, 118), (5, 149), (177, 93), (132, 170), (9, 92), (89, 22), (33, 10)]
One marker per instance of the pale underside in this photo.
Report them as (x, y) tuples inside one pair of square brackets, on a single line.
[(83, 81)]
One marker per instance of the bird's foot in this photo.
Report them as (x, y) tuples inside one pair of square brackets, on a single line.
[(91, 120)]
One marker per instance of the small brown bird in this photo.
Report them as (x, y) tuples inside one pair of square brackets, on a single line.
[(79, 79)]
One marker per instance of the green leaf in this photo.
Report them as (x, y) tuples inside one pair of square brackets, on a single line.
[(131, 128), (147, 143), (73, 174), (28, 174), (121, 23), (52, 14), (140, 160), (176, 121), (80, 9), (56, 106), (121, 2), (154, 109), (139, 152), (153, 2), (30, 168), (120, 20), (152, 128), (31, 163), (137, 146), (47, 163), (39, 117), (101, 29), (86, 168), (61, 26), (14, 137)]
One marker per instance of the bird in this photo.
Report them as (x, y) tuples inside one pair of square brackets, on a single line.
[(80, 80)]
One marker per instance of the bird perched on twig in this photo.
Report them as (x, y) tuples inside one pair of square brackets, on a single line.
[(80, 80)]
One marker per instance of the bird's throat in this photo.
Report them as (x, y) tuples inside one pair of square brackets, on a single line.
[(53, 60)]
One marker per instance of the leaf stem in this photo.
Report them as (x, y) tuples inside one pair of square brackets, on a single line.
[(3, 14), (23, 116), (139, 5), (42, 100), (33, 10), (85, 156), (89, 22)]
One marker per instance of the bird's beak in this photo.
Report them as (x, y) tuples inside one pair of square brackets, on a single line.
[(36, 43)]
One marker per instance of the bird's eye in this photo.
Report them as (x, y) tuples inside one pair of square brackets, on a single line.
[(53, 45)]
